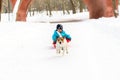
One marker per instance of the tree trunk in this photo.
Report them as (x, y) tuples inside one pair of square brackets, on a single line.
[(22, 11), (73, 6), (30, 9), (8, 10), (67, 11), (81, 5), (49, 7), (63, 7), (115, 8), (13, 3), (0, 8)]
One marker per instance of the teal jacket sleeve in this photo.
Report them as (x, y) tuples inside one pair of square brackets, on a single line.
[(55, 36), (64, 34)]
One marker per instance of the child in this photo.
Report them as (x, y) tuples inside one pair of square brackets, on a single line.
[(59, 32)]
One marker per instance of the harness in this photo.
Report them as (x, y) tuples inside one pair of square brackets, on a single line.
[(59, 34)]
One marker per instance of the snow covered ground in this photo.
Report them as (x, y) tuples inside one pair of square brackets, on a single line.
[(26, 51)]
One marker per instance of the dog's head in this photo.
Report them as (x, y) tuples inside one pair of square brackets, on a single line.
[(60, 40)]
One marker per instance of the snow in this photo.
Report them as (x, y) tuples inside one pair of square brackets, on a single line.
[(26, 51)]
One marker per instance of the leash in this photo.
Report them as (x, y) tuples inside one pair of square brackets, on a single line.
[(59, 34)]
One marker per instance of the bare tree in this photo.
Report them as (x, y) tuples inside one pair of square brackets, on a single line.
[(73, 6), (48, 7), (81, 5), (0, 8), (63, 5), (115, 9)]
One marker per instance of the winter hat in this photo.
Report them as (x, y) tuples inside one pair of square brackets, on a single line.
[(59, 26)]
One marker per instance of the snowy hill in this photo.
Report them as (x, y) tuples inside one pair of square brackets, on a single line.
[(26, 51)]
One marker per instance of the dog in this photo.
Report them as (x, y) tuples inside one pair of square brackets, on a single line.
[(61, 45)]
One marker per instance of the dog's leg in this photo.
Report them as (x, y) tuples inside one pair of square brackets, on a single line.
[(66, 50), (57, 49), (63, 51)]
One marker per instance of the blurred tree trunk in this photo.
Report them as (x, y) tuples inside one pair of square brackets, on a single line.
[(81, 5), (8, 2), (47, 10), (49, 7), (115, 8), (0, 8), (73, 6), (67, 11), (55, 5), (63, 6), (30, 10), (33, 11)]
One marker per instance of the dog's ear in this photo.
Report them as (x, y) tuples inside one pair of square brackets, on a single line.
[(62, 38)]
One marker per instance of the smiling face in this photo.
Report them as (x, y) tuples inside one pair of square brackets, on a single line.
[(59, 30)]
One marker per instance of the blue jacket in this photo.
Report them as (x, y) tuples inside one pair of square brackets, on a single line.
[(63, 34)]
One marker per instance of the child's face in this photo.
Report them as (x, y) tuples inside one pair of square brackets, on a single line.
[(59, 30)]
